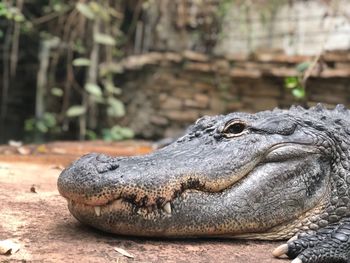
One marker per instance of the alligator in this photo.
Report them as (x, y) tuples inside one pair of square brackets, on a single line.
[(272, 175)]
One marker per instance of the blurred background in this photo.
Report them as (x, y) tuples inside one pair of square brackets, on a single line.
[(114, 70)]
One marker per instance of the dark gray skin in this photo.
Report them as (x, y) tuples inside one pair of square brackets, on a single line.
[(269, 175)]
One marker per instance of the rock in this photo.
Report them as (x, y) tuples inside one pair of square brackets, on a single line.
[(221, 66), (261, 88), (182, 116), (170, 103), (233, 106), (217, 105), (195, 56), (334, 73), (280, 58), (200, 102), (202, 86), (242, 73), (173, 57), (259, 104), (203, 67), (202, 99), (158, 120)]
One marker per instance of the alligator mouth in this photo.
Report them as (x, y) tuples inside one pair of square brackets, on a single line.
[(147, 212), (147, 195), (143, 203), (143, 206), (90, 215), (162, 205)]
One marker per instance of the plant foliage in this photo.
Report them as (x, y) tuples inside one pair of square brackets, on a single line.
[(72, 40)]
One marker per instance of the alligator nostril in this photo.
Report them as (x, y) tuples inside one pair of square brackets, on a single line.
[(114, 166), (104, 163), (105, 167), (103, 158)]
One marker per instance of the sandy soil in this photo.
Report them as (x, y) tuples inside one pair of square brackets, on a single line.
[(40, 222)]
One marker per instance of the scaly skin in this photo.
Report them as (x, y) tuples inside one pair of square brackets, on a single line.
[(268, 175)]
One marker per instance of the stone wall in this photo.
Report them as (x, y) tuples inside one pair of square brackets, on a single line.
[(229, 27), (296, 27), (165, 92)]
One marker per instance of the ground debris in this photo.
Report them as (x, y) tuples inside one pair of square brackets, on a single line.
[(23, 150), (8, 247), (123, 252), (58, 167), (14, 143), (33, 189)]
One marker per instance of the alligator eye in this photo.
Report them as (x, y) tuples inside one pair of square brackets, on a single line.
[(234, 128)]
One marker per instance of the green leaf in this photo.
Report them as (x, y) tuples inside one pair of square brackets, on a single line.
[(126, 133), (299, 93), (99, 100), (81, 62), (49, 119), (57, 7), (106, 135), (9, 15), (75, 111), (291, 82), (112, 89), (58, 92), (104, 39), (40, 125), (111, 67), (27, 26), (93, 89), (29, 124), (85, 10), (91, 135), (116, 108), (19, 18), (95, 7), (79, 47), (301, 67), (117, 133)]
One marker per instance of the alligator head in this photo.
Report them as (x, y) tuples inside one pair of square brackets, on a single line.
[(266, 175)]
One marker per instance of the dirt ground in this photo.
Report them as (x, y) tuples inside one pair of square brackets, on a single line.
[(33, 214)]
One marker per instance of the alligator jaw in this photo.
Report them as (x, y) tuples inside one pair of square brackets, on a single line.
[(99, 206), (186, 214), (83, 182), (181, 182)]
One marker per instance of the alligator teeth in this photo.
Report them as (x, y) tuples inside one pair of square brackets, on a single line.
[(97, 210), (167, 208)]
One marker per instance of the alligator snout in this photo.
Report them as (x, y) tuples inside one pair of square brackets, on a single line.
[(87, 181), (151, 180), (97, 179)]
